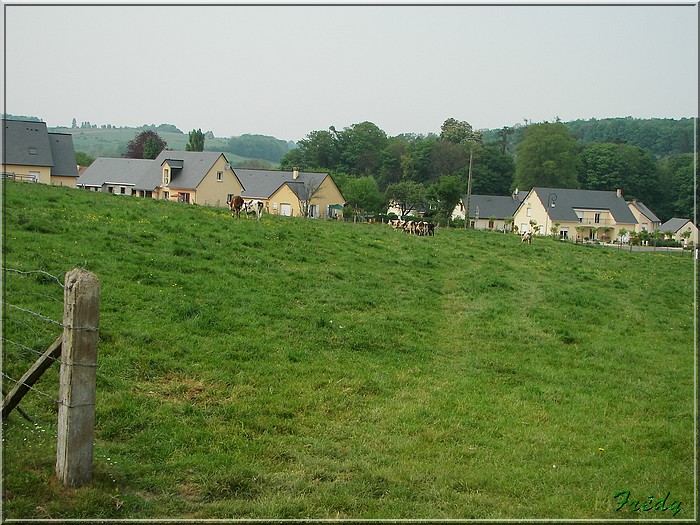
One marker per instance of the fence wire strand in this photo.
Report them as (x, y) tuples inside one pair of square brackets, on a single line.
[(29, 272)]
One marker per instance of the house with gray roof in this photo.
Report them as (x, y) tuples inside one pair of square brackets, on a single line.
[(293, 193), (489, 212), (680, 230), (646, 218), (32, 154), (118, 176), (571, 213), (193, 177)]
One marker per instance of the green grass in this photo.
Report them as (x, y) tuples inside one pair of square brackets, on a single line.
[(294, 368)]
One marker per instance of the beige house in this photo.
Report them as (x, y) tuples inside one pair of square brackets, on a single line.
[(646, 219), (32, 154), (680, 230), (192, 177), (293, 193), (574, 214)]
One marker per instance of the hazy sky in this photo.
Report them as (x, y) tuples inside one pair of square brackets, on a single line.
[(288, 70)]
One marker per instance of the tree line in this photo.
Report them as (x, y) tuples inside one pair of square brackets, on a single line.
[(432, 171)]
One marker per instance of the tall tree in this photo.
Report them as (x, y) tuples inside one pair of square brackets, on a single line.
[(547, 156), (408, 195), (458, 132), (493, 171), (361, 146), (136, 149), (363, 193), (196, 141), (611, 166), (448, 190)]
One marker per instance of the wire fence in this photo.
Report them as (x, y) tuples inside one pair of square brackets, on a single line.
[(30, 327)]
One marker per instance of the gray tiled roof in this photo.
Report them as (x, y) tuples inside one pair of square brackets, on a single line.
[(26, 143), (262, 184), (645, 211), (673, 225), (146, 174), (492, 206), (119, 171), (568, 200), (63, 154), (195, 166)]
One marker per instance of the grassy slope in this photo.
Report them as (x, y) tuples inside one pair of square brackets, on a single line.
[(296, 368)]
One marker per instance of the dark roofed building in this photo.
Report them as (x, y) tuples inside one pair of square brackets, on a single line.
[(32, 154), (201, 177), (292, 193)]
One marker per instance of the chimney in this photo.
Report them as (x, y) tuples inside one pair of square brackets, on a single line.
[(619, 193), (515, 194), (295, 173)]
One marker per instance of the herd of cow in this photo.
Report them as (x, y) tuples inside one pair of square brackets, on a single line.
[(419, 228)]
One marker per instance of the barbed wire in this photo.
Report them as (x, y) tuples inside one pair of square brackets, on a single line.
[(29, 272), (35, 314), (57, 401), (54, 359), (52, 321)]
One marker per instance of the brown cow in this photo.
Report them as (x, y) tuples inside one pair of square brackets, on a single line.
[(235, 204)]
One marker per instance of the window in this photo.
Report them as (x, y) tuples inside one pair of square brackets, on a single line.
[(597, 218), (490, 225), (33, 150), (110, 189), (166, 195), (122, 190), (219, 176), (529, 212), (564, 234), (166, 176)]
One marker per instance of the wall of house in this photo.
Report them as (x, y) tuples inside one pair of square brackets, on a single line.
[(693, 234), (284, 195), (531, 209), (64, 181), (643, 222), (44, 172), (211, 192), (326, 195)]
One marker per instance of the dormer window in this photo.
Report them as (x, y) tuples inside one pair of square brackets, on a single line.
[(166, 176)]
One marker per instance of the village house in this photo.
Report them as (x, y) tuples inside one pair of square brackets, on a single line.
[(646, 219), (293, 193), (32, 154), (193, 177), (489, 212), (575, 214), (682, 231)]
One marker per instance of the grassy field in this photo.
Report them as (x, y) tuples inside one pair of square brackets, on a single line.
[(294, 368)]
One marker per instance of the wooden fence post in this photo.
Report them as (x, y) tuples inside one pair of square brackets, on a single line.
[(76, 409)]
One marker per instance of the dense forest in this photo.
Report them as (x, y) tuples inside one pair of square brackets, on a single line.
[(650, 160)]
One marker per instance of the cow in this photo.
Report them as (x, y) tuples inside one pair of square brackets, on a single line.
[(254, 206), (396, 224), (526, 237), (235, 204)]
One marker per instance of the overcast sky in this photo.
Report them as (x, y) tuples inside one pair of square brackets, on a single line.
[(288, 70)]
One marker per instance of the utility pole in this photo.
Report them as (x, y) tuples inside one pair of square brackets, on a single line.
[(469, 187)]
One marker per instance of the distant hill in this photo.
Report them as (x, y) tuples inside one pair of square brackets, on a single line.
[(248, 150)]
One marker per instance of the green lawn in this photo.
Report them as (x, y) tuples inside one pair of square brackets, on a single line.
[(294, 368)]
